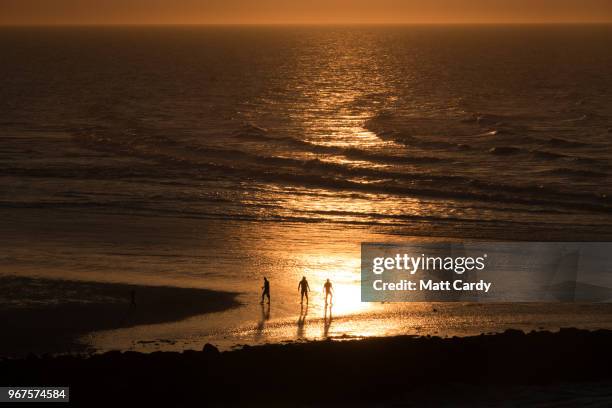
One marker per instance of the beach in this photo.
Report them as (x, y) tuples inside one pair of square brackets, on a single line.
[(200, 257), (215, 156), (49, 316), (46, 316), (155, 177)]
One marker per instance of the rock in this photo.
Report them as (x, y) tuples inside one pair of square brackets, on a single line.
[(210, 350), (514, 332)]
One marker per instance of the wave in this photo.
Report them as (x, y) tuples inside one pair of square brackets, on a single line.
[(558, 142), (407, 139), (505, 150), (252, 132), (541, 154), (309, 216), (564, 171), (482, 128), (249, 131), (199, 161), (485, 119), (488, 192), (581, 118)]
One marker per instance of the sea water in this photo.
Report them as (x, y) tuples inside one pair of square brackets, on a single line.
[(214, 156)]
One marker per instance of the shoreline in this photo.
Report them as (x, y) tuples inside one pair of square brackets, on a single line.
[(485, 370), (44, 315)]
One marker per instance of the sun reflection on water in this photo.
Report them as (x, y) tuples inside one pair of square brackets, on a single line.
[(344, 275)]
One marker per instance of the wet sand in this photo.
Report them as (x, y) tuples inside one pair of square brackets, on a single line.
[(48, 316), (565, 368)]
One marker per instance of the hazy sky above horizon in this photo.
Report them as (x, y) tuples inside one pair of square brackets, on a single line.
[(18, 12)]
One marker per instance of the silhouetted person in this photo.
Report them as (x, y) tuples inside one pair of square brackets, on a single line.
[(303, 288), (327, 289), (266, 290), (132, 298)]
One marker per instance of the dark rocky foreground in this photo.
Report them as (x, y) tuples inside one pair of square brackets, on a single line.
[(568, 368)]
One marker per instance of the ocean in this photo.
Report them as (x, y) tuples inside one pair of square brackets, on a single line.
[(213, 156)]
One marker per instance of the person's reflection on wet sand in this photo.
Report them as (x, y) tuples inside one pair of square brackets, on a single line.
[(327, 320), (265, 316), (302, 321)]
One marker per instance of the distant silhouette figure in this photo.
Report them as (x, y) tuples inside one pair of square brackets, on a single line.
[(303, 288), (327, 288), (132, 298), (266, 290)]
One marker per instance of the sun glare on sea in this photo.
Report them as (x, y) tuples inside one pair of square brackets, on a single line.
[(343, 272)]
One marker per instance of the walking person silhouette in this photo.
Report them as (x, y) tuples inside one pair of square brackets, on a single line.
[(266, 291), (327, 288), (132, 298), (303, 288)]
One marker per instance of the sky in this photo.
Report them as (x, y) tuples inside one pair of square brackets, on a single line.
[(32, 12)]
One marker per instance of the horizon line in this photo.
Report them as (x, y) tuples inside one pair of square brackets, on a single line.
[(314, 24)]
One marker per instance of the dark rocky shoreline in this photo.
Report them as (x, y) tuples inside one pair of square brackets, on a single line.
[(571, 366)]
